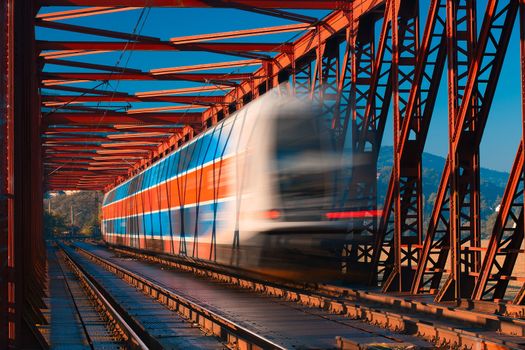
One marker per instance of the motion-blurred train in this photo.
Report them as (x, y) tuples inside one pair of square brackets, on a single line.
[(257, 191)]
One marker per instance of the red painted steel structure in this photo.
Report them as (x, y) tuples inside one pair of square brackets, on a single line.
[(21, 246), (363, 62), (393, 67), (6, 175)]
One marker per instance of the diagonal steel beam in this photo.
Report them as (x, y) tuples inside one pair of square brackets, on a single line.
[(85, 12), (53, 78), (266, 4), (242, 33), (84, 65), (196, 99), (161, 46), (96, 119), (94, 31)]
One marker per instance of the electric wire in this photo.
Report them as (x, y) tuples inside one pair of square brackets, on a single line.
[(139, 25)]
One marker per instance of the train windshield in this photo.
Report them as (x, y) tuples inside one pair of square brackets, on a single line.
[(301, 172)]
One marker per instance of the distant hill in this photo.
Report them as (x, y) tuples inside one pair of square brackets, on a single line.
[(492, 183)]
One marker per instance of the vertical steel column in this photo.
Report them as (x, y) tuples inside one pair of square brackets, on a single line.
[(367, 138), (316, 91), (464, 162), (470, 97), (328, 84), (302, 76), (29, 252), (415, 124), (396, 275), (346, 89), (4, 176), (7, 301), (373, 91), (508, 233), (466, 129), (520, 297), (362, 187), (404, 199), (505, 241)]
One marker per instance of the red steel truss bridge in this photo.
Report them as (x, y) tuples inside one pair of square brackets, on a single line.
[(70, 121)]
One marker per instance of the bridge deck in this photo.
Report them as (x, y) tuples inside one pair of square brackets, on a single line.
[(73, 322), (168, 330), (286, 323)]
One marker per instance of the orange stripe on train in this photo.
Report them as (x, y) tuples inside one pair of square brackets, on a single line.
[(196, 186)]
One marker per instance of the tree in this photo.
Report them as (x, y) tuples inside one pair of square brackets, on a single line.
[(80, 209), (54, 224)]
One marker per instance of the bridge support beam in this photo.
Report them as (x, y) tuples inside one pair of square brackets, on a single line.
[(415, 113), (406, 192), (21, 243), (7, 300), (507, 235), (454, 225)]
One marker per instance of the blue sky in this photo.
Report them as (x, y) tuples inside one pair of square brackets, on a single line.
[(502, 132)]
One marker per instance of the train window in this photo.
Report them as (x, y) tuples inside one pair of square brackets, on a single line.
[(166, 173), (140, 179), (186, 155), (193, 151), (160, 170), (262, 89), (133, 186), (296, 135), (247, 98), (156, 172), (224, 137), (298, 146), (151, 177), (206, 146), (174, 164), (169, 167), (209, 122)]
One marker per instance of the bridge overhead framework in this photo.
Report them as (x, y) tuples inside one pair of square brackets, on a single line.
[(65, 125)]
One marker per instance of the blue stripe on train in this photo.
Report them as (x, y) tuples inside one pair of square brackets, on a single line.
[(205, 149), (159, 223)]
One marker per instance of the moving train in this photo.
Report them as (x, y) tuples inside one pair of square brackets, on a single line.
[(257, 191)]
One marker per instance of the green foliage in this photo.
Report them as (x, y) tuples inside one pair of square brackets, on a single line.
[(83, 205), (54, 224)]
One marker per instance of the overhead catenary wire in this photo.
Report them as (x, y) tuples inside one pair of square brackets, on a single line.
[(138, 27), (136, 32)]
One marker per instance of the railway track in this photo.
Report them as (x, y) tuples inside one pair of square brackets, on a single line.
[(79, 315), (246, 320), (117, 322), (476, 327), (143, 323)]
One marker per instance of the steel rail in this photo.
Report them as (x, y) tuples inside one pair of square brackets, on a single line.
[(209, 320), (132, 338), (75, 304), (368, 306)]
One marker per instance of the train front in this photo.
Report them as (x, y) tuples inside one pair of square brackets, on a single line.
[(311, 213)]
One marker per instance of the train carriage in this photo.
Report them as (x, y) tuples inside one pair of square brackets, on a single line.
[(256, 191)]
